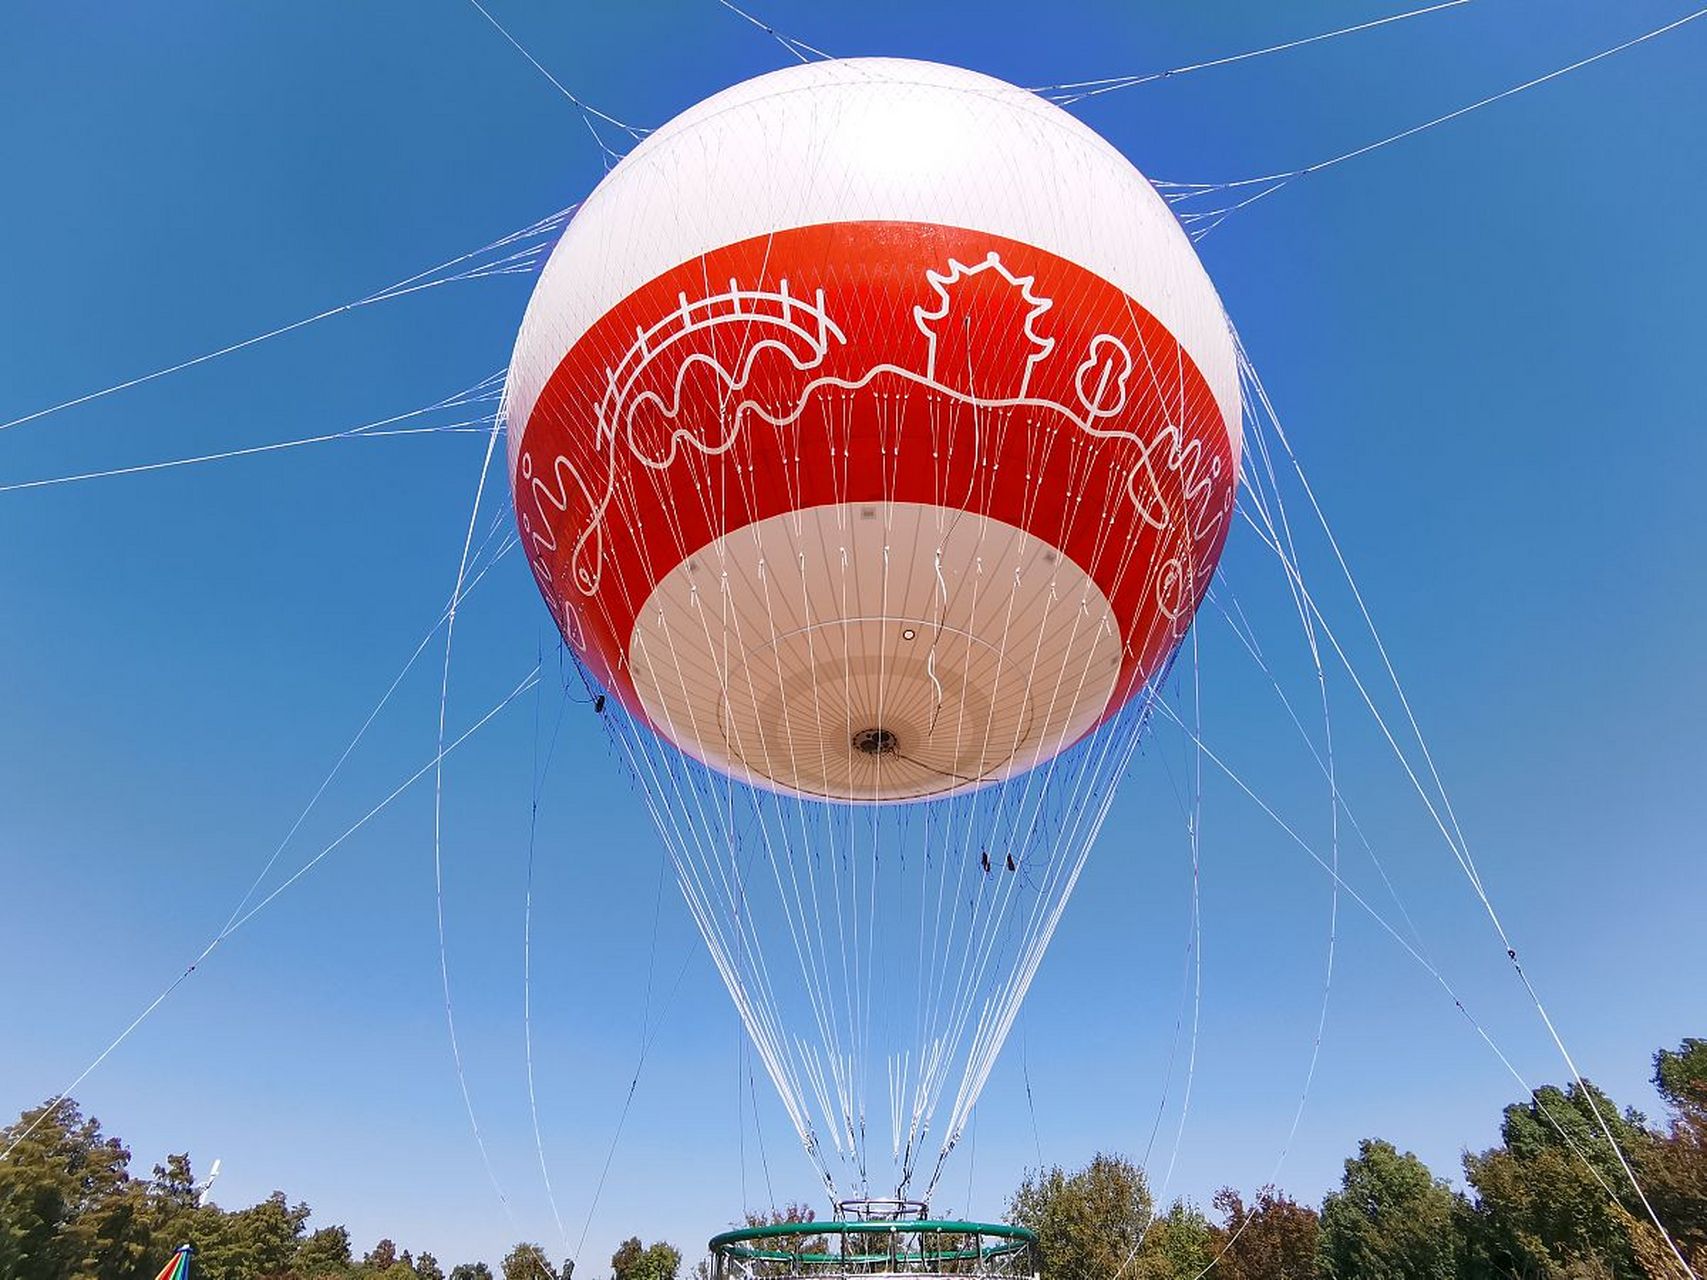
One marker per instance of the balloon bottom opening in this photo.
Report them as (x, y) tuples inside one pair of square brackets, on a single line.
[(876, 742)]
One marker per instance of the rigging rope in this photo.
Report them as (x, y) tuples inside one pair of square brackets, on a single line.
[(799, 48), (1074, 91), (540, 773), (1203, 221), (717, 833), (438, 820), (381, 428), (622, 1116), (588, 113), (1326, 758), (1435, 799), (1194, 973), (539, 236), (234, 926), (1281, 535)]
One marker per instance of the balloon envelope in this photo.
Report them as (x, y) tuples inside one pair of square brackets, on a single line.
[(873, 431)]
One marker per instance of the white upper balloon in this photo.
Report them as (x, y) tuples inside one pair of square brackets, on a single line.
[(871, 139)]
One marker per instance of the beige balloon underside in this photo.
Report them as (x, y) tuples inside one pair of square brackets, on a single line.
[(875, 652)]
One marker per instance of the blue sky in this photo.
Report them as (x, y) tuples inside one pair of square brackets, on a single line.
[(1484, 342)]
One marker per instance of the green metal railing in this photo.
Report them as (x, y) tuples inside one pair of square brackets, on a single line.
[(822, 1250)]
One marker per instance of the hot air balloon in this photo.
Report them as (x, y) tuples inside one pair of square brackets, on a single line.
[(873, 431)]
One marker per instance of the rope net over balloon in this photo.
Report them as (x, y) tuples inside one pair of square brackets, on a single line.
[(875, 498)]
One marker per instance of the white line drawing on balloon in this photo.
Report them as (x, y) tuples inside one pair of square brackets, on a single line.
[(803, 332)]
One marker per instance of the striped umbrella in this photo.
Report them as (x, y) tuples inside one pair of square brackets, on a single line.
[(178, 1266)]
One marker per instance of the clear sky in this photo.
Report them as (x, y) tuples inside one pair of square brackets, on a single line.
[(1485, 343)]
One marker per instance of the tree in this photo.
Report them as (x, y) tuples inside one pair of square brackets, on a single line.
[(1553, 1199), (626, 1258), (1274, 1239), (662, 1262), (1088, 1224), (1178, 1245), (1391, 1219), (1673, 1167), (632, 1261), (382, 1257), (789, 1215), (259, 1241), (471, 1271), (68, 1205), (427, 1268), (528, 1262), (1680, 1074), (174, 1189), (173, 1203), (325, 1252)]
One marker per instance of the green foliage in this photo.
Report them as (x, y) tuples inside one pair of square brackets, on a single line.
[(1391, 1219), (528, 1262), (1178, 1246), (69, 1209), (632, 1261), (325, 1253), (626, 1258), (174, 1186), (261, 1240), (789, 1215), (1551, 1202), (1673, 1166), (1098, 1224), (1088, 1224), (792, 1214), (381, 1258), (1680, 1075), (1551, 1199)]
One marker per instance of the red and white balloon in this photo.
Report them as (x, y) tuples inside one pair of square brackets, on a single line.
[(874, 430)]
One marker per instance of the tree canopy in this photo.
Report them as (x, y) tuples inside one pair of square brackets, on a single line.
[(1088, 1224), (71, 1209), (1550, 1202), (634, 1261), (1391, 1219)]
